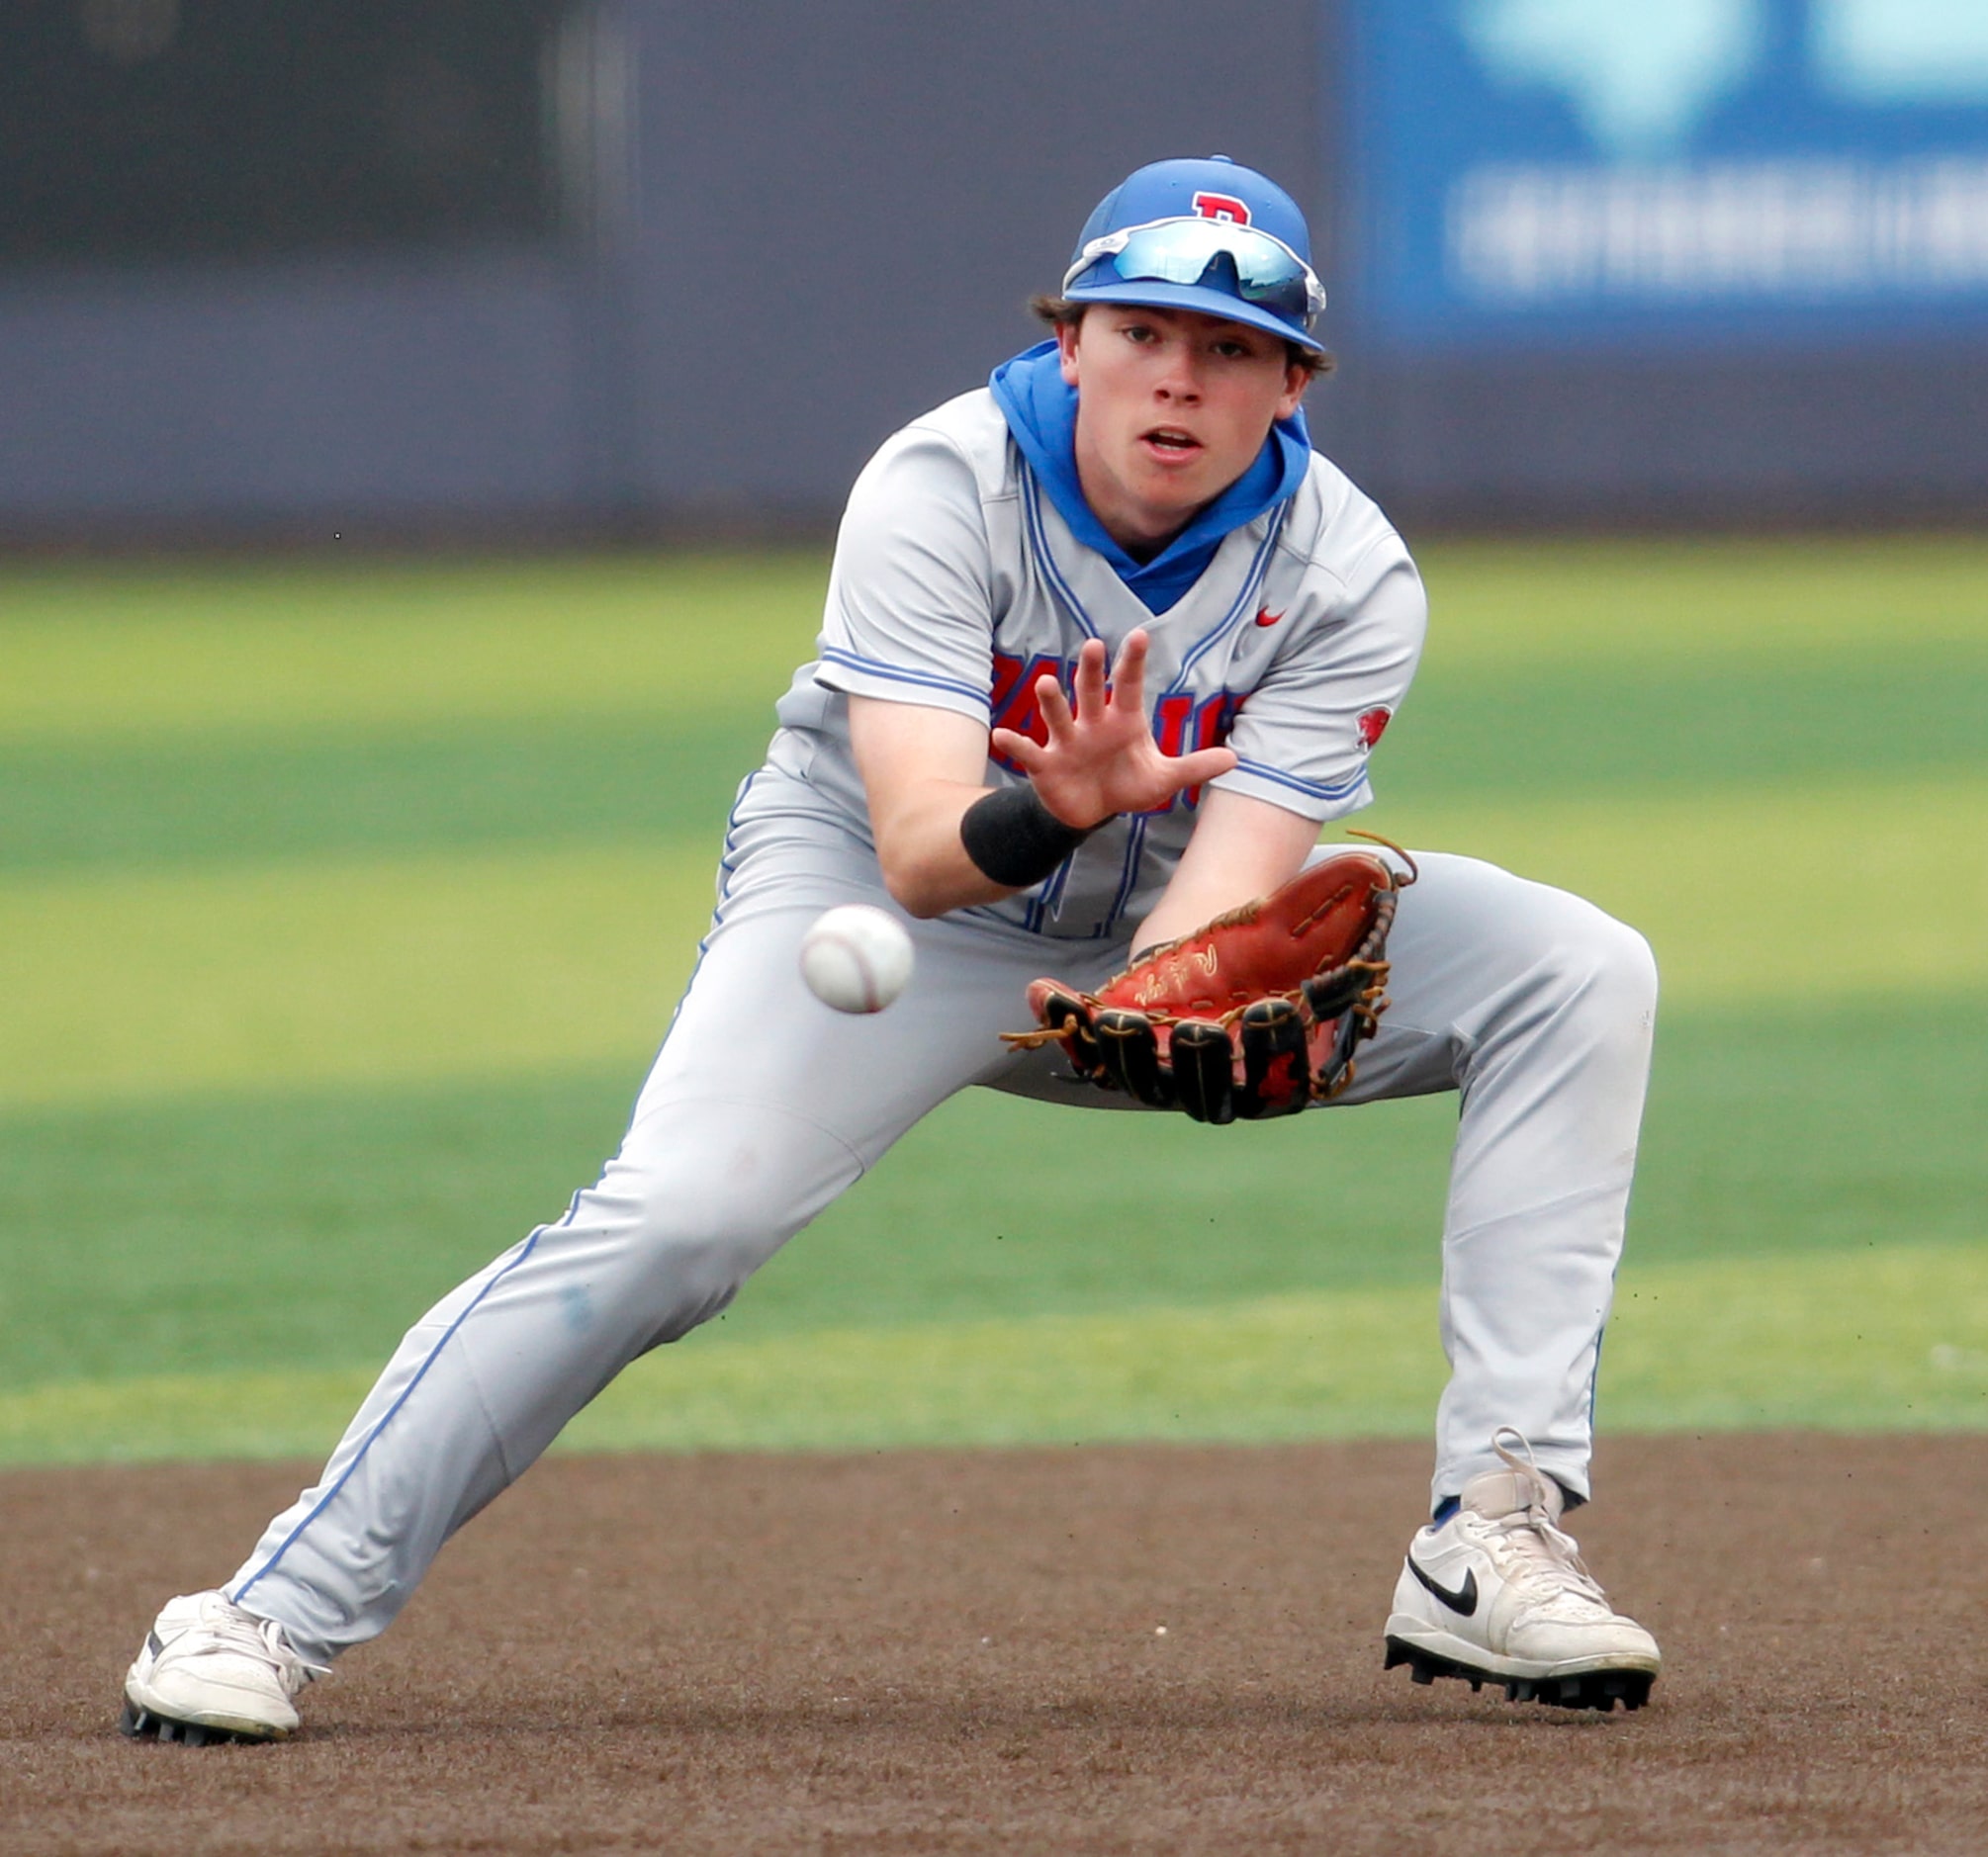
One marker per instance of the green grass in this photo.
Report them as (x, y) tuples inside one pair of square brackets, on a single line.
[(467, 964), (280, 651), (343, 909), (1526, 734), (462, 965), (1892, 1340), (152, 805), (306, 1232), (1675, 730), (1761, 606)]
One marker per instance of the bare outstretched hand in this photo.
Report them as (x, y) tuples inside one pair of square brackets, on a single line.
[(1101, 758)]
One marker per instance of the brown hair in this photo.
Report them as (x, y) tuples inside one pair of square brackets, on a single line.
[(1060, 312)]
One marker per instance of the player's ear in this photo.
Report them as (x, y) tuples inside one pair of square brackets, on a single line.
[(1066, 350), (1297, 378)]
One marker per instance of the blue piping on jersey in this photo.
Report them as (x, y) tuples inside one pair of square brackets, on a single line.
[(1135, 841), (1049, 896), (408, 1393), (1045, 559), (927, 680), (1039, 542), (1312, 788), (1052, 891), (1252, 579), (1033, 923), (1252, 583)]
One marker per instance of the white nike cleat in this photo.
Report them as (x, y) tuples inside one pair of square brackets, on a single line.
[(1499, 1594), (213, 1672)]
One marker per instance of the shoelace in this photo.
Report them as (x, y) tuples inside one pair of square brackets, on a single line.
[(262, 1639), (1553, 1566)]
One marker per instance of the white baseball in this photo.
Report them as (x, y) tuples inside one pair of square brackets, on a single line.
[(856, 958)]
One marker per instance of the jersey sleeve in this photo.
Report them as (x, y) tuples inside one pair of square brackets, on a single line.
[(1303, 736), (909, 616)]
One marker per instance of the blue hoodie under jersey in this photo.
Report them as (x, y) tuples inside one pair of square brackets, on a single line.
[(1040, 409)]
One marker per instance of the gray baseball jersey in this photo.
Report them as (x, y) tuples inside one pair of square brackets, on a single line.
[(958, 584)]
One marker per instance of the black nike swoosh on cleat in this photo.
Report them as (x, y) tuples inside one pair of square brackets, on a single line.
[(1463, 1602)]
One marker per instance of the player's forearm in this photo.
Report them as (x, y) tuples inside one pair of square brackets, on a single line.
[(944, 841), (922, 770), (925, 863), (1241, 849)]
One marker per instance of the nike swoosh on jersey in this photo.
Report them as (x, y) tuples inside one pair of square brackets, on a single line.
[(1265, 617), (1463, 1602)]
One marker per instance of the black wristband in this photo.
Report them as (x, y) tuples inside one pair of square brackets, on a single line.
[(1013, 838)]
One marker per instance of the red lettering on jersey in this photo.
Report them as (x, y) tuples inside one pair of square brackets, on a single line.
[(1182, 726), (1011, 702), (1171, 715), (1222, 207), (1217, 719), (1007, 674), (1373, 723)]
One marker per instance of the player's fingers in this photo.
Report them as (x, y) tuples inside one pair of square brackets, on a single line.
[(1128, 675), (1022, 750), (1090, 680), (1203, 764), (1052, 705)]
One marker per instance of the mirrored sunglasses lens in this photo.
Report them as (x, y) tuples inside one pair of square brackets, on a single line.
[(1264, 272)]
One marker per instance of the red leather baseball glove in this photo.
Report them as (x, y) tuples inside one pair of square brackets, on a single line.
[(1256, 1013)]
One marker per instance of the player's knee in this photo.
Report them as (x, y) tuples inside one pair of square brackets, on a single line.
[(1627, 966), (1611, 971), (699, 1196), (692, 1250)]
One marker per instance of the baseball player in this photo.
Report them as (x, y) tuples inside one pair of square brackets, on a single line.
[(1105, 644)]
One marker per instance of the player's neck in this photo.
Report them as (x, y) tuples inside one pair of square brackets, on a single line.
[(1144, 531), (1143, 550)]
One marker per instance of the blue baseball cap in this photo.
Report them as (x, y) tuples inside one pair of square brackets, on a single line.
[(1207, 234)]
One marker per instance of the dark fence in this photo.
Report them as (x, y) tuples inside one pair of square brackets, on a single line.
[(536, 268)]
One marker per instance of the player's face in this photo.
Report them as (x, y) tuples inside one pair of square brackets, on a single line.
[(1172, 407)]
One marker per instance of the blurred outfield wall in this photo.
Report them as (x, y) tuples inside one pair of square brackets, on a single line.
[(545, 266)]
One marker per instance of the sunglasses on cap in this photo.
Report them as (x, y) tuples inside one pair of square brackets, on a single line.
[(1267, 271)]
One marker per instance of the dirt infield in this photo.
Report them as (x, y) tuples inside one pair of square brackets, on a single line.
[(963, 1653)]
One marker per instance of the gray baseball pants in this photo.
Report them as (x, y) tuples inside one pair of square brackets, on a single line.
[(764, 1105)]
